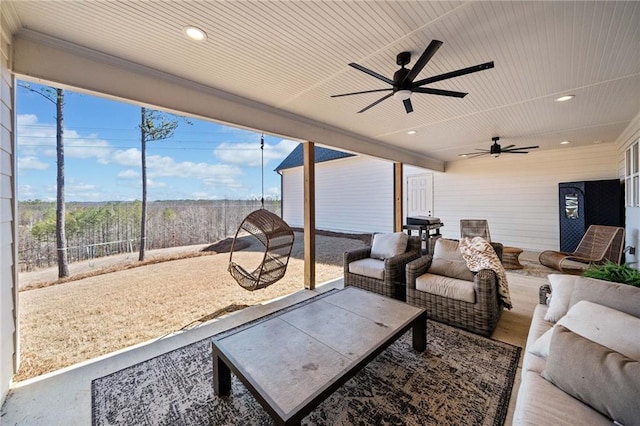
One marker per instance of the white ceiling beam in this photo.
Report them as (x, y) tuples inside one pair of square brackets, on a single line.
[(43, 58)]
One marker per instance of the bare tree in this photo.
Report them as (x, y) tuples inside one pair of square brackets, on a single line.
[(154, 126), (56, 96)]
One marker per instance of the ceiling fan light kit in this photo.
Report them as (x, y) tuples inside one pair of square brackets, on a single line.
[(402, 95), (495, 150), (403, 83)]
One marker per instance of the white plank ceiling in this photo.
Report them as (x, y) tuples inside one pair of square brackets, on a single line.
[(294, 55)]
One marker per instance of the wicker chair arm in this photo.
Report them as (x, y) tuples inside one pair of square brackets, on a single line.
[(401, 259), (352, 256), (485, 284), (417, 267), (543, 293), (394, 267), (499, 248)]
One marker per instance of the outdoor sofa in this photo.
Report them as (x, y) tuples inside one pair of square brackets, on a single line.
[(581, 364)]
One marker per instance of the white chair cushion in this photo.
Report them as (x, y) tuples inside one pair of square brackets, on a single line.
[(372, 268), (451, 288), (385, 246), (448, 261)]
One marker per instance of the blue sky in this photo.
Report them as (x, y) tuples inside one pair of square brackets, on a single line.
[(204, 160)]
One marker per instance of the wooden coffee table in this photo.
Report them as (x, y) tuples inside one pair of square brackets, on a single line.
[(293, 361)]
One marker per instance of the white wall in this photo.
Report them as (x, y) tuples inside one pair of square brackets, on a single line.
[(353, 194), (632, 222), (8, 275), (518, 195)]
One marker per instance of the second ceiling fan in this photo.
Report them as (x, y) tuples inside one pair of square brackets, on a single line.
[(495, 149), (403, 84)]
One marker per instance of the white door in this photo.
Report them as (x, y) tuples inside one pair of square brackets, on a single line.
[(420, 195)]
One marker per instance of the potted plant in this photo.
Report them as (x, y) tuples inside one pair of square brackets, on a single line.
[(611, 271)]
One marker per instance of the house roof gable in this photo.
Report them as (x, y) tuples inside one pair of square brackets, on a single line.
[(295, 159)]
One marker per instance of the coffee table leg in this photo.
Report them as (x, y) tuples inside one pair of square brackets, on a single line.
[(420, 333), (221, 375)]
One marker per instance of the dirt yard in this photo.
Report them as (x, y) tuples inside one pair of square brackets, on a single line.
[(65, 323)]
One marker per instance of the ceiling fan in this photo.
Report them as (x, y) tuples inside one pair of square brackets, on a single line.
[(403, 84), (495, 150)]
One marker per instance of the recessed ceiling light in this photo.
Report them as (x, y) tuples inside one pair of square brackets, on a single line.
[(412, 132), (565, 98), (195, 33), (462, 155), (565, 142)]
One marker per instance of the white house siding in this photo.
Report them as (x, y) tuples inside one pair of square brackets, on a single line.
[(7, 225), (341, 202), (517, 194), (632, 221)]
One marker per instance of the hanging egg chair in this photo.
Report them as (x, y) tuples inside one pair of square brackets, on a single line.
[(276, 237)]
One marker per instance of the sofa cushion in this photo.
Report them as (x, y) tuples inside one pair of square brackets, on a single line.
[(621, 297), (451, 288), (448, 261), (540, 403), (385, 246), (561, 289), (372, 268), (599, 324), (600, 377)]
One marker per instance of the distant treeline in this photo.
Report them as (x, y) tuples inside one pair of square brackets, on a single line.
[(105, 228)]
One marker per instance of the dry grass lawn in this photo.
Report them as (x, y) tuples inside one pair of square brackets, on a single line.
[(77, 320)]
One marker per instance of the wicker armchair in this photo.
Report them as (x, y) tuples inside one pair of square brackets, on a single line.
[(478, 316), (475, 228), (392, 284)]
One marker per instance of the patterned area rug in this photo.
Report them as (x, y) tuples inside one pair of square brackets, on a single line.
[(533, 269), (462, 378)]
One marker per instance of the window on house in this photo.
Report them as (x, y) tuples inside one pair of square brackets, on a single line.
[(632, 175)]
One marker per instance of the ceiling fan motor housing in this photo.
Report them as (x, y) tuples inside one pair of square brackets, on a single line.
[(403, 58), (398, 78)]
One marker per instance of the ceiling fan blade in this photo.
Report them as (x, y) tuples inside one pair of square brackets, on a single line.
[(407, 105), (375, 103), (508, 147), (453, 74), (422, 61), (439, 92), (472, 154), (515, 152), (482, 151), (359, 93), (521, 148), (371, 73)]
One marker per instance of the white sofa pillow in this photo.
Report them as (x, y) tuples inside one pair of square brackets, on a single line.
[(605, 326), (561, 289), (389, 245)]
